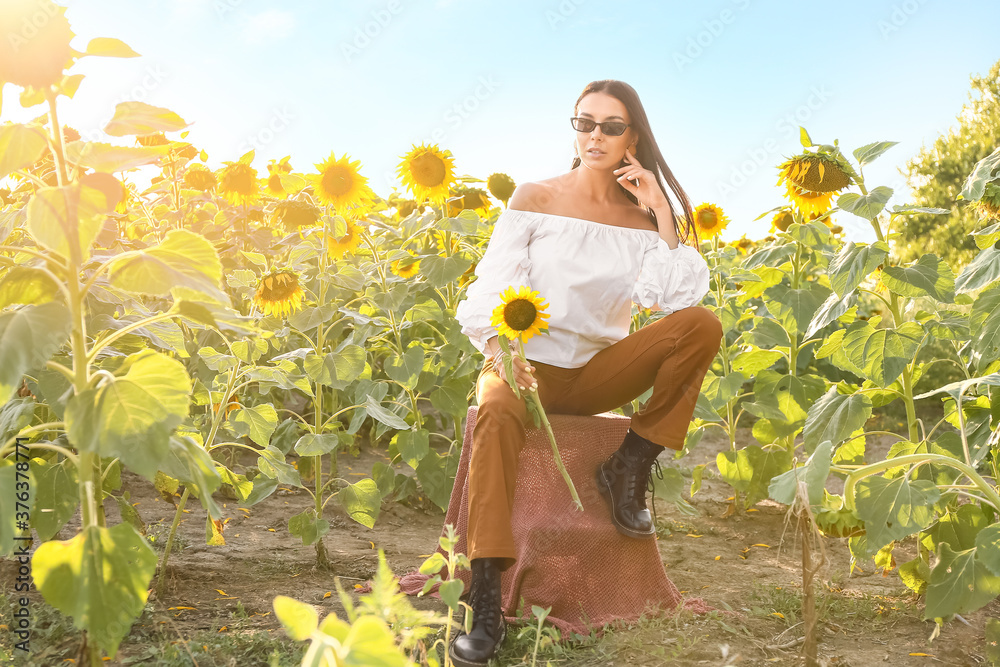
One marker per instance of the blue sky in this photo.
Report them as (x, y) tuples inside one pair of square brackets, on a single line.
[(725, 83)]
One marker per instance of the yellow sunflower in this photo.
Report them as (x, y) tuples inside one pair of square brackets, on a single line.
[(338, 247), (154, 139), (406, 271), (520, 314), (472, 199), (743, 244), (810, 203), (500, 186), (340, 184), (710, 220), (988, 205), (782, 220), (279, 293), (427, 172), (238, 182), (294, 214), (35, 46), (467, 276)]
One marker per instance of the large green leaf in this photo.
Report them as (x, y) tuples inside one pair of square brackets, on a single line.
[(720, 390), (110, 159), (750, 470), (336, 369), (767, 333), (441, 271), (188, 462), (772, 257), (835, 417), (183, 260), (984, 324), (754, 361), (981, 174), (100, 577), (882, 353), (988, 545), (20, 146), (828, 312), (406, 369), (57, 496), (53, 213), (437, 477), (982, 271), (853, 264), (894, 508), (362, 501), (794, 308), (131, 417), (412, 445), (133, 117), (869, 152), (865, 206), (987, 236), (960, 583), (308, 527), (26, 284), (785, 400), (257, 422), (814, 472), (29, 336), (928, 276), (15, 504)]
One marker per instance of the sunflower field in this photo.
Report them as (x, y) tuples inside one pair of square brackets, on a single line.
[(224, 332)]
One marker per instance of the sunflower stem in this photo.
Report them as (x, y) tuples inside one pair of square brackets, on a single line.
[(545, 422)]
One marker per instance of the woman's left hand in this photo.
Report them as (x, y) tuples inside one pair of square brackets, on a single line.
[(647, 191)]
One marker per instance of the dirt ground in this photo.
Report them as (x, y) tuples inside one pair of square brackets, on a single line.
[(867, 618)]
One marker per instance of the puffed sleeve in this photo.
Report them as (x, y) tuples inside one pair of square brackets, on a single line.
[(505, 263), (671, 278)]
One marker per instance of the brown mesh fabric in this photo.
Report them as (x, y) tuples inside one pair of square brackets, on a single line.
[(575, 562)]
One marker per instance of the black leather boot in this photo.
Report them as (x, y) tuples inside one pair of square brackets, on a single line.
[(623, 480), (488, 625)]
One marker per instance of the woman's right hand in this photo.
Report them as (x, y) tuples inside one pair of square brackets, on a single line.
[(522, 373)]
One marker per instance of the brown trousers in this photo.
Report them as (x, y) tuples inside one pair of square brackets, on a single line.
[(672, 355)]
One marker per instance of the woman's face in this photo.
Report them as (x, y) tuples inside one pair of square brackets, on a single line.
[(596, 149)]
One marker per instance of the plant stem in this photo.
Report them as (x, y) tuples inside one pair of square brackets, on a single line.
[(161, 580)]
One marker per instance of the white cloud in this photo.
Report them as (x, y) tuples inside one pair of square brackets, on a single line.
[(268, 26)]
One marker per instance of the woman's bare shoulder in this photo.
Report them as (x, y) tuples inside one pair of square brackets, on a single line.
[(532, 196)]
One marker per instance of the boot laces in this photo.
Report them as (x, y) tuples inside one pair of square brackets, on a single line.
[(658, 471), (485, 602)]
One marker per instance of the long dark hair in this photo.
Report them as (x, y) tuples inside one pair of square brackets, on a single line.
[(649, 156)]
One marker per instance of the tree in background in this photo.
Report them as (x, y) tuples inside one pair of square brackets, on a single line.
[(936, 176)]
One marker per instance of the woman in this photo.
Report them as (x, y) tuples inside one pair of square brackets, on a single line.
[(591, 241)]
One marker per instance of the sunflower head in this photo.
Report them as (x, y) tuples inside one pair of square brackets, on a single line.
[(199, 177), (710, 220), (340, 184), (521, 313), (427, 172), (294, 214), (816, 172), (465, 198), (238, 181), (810, 203), (279, 293), (836, 229), (405, 268), (467, 276), (279, 167), (782, 220), (500, 186), (743, 244), (34, 48), (989, 204), (338, 247)]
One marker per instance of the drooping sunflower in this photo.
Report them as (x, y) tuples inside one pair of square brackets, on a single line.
[(988, 205), (782, 220), (294, 214), (340, 184), (465, 198), (338, 247), (815, 172), (710, 220), (35, 46), (405, 271), (279, 293), (427, 172), (501, 186), (199, 177), (238, 182), (521, 313)]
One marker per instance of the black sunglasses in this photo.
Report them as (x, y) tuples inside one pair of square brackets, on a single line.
[(612, 128)]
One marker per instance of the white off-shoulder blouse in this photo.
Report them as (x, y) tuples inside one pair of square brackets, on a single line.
[(589, 273)]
